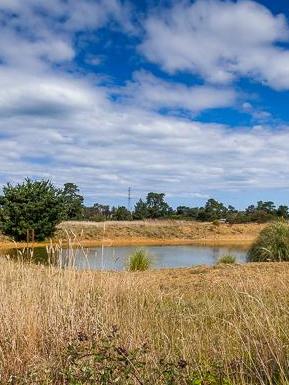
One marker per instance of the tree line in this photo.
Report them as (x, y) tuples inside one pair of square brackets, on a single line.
[(155, 207), (40, 206)]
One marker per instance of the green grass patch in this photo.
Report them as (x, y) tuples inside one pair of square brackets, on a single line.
[(227, 259), (272, 244), (139, 261)]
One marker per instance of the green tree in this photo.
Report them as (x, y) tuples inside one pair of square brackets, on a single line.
[(283, 211), (263, 212), (32, 205), (73, 202), (156, 205), (213, 210), (268, 207), (187, 212), (97, 212), (140, 210), (121, 214)]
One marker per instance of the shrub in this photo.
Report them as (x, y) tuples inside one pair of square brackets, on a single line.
[(272, 244), (139, 261), (32, 205), (228, 259)]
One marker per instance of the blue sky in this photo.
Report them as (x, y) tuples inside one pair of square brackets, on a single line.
[(184, 97)]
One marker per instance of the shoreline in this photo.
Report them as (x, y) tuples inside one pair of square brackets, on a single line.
[(235, 242), (146, 233)]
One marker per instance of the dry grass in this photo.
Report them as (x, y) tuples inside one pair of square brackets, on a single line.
[(149, 232), (155, 233), (232, 320)]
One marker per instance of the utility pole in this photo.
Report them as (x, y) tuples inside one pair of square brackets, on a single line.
[(129, 199)]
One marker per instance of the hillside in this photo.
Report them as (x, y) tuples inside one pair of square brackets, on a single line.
[(160, 232)]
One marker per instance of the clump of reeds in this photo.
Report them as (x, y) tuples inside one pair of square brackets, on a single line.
[(226, 259), (139, 261), (272, 244)]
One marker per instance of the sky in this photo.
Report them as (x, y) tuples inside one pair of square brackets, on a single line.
[(184, 97)]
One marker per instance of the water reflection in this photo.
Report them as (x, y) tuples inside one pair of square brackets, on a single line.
[(115, 258)]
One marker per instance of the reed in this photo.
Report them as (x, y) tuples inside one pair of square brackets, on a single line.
[(225, 325), (272, 244), (139, 261), (227, 259)]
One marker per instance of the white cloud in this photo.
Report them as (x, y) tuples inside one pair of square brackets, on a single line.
[(105, 147), (220, 41), (257, 114), (59, 125), (153, 93), (38, 34)]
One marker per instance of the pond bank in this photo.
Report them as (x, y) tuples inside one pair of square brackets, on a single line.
[(142, 233)]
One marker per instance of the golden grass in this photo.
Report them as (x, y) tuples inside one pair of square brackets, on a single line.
[(233, 320), (142, 233), (162, 231)]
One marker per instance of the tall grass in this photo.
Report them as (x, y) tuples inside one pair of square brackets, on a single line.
[(272, 244), (193, 326), (139, 261)]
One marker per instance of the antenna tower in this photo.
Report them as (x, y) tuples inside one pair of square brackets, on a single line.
[(129, 199)]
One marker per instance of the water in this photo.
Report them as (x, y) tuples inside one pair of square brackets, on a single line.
[(115, 258)]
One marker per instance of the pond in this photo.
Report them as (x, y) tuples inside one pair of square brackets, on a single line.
[(115, 258)]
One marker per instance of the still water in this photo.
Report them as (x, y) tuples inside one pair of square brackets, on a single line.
[(116, 258)]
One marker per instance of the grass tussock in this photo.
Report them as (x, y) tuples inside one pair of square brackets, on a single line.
[(272, 244), (222, 326), (227, 259), (139, 261)]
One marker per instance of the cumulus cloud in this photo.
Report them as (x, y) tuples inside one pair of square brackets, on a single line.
[(154, 93), (220, 41), (258, 115), (105, 147), (63, 125), (38, 34)]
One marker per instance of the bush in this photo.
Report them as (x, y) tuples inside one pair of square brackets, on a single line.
[(139, 261), (32, 205), (228, 259), (272, 244)]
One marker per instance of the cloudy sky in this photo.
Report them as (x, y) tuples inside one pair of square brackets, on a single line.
[(190, 98)]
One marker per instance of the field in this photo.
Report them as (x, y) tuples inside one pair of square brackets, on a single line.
[(221, 325)]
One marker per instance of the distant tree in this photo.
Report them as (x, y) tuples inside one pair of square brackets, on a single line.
[(140, 210), (97, 212), (213, 210), (231, 209), (268, 207), (262, 212), (232, 214), (187, 212), (32, 205), (121, 214), (283, 212), (250, 210), (156, 205), (73, 202), (183, 211)]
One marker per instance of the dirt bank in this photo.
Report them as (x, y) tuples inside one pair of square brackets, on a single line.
[(154, 233), (159, 233)]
